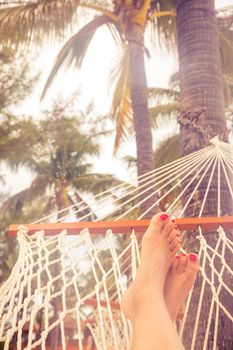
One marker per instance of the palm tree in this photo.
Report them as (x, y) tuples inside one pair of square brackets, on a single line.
[(58, 160), (62, 173), (129, 20), (202, 117), (16, 137), (202, 96), (55, 150), (165, 106), (202, 80)]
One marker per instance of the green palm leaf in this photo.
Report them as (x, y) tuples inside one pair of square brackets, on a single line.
[(162, 23), (16, 140), (226, 51), (168, 110), (26, 22), (16, 202), (121, 111), (81, 207), (95, 182), (75, 48), (167, 151), (155, 92)]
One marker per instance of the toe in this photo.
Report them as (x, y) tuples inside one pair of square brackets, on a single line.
[(174, 245), (174, 240), (173, 235), (175, 263), (168, 229), (192, 263), (159, 219), (182, 263)]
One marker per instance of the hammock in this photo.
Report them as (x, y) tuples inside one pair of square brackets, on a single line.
[(70, 276)]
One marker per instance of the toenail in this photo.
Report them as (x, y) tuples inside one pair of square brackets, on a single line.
[(183, 254), (177, 256), (163, 217), (192, 257), (174, 221), (176, 227)]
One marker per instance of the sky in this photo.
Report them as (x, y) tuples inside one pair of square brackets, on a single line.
[(92, 80), (222, 3)]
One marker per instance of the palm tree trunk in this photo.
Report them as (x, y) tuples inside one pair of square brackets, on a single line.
[(202, 101), (61, 203), (142, 121), (201, 119)]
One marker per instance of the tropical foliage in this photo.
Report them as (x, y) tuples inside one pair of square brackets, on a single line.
[(119, 17), (126, 20), (59, 155), (60, 159), (16, 137)]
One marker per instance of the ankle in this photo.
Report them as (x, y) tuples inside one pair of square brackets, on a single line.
[(146, 295)]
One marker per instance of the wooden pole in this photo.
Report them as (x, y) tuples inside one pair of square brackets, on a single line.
[(125, 226)]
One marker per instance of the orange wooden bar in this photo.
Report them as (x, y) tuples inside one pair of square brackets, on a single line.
[(125, 226)]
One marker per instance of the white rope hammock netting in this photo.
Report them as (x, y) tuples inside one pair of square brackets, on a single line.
[(66, 290)]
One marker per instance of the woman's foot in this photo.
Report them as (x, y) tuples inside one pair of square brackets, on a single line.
[(180, 280), (160, 244)]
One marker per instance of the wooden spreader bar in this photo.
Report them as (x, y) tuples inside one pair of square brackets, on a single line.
[(125, 226)]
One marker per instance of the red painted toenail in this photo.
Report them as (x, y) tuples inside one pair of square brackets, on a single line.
[(177, 256), (192, 257), (183, 254), (174, 221), (177, 235), (163, 217), (176, 227)]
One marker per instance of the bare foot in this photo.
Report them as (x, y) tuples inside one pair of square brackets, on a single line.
[(180, 280), (160, 244)]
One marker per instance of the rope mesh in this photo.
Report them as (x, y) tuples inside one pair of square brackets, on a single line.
[(74, 285)]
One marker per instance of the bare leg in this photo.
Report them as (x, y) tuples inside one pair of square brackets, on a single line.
[(180, 280), (143, 303)]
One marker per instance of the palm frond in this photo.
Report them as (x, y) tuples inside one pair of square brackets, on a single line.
[(226, 52), (167, 151), (116, 32), (34, 21), (130, 160), (81, 207), (225, 25), (75, 49), (169, 110), (95, 182), (225, 16), (17, 139), (174, 81), (16, 202), (162, 24), (228, 90), (41, 206), (158, 92), (38, 166), (121, 112)]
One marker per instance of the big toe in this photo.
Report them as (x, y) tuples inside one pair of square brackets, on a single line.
[(159, 218), (161, 222)]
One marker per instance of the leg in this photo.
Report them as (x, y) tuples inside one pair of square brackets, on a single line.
[(143, 303)]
